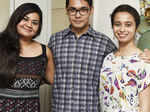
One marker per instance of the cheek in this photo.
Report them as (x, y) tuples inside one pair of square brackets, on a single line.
[(115, 30), (21, 23), (86, 18), (132, 31), (18, 27), (36, 28), (71, 18)]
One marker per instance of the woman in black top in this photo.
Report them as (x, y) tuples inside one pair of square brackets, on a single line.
[(23, 61)]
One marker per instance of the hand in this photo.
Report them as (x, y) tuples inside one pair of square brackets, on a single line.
[(145, 56)]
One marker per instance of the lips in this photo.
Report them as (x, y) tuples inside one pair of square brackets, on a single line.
[(77, 22), (27, 29), (122, 35)]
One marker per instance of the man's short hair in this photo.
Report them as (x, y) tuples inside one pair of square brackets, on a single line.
[(90, 2)]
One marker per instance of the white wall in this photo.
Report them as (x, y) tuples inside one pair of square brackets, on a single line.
[(102, 11)]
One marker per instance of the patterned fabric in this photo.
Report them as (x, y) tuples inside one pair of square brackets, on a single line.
[(121, 80), (12, 100), (26, 83), (23, 94), (32, 65), (30, 70), (78, 62), (24, 105)]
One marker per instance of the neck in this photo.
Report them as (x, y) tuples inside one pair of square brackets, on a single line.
[(24, 43), (127, 49), (79, 31)]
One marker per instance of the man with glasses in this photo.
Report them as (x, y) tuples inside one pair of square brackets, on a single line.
[(78, 53)]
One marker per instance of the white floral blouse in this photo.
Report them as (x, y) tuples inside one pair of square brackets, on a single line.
[(121, 80)]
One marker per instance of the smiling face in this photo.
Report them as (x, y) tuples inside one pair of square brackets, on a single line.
[(79, 21), (28, 26), (124, 27)]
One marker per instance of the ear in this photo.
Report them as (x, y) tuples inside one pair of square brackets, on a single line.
[(66, 11), (92, 10)]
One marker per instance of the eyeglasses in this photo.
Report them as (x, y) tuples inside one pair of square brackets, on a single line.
[(82, 11), (34, 22)]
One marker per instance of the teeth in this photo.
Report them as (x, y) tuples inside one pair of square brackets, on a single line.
[(122, 35)]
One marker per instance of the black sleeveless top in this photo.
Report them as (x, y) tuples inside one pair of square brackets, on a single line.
[(30, 71)]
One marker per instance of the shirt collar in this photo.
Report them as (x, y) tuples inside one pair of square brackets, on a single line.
[(66, 32), (90, 32)]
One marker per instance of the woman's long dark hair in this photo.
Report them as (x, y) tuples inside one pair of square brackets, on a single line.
[(9, 42)]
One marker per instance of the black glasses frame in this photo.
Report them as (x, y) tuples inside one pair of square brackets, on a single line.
[(82, 11)]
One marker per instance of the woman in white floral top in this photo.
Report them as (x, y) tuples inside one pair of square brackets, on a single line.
[(125, 78)]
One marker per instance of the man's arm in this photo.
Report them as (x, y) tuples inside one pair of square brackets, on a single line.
[(144, 100), (145, 55)]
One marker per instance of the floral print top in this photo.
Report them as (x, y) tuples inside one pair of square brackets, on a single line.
[(121, 80)]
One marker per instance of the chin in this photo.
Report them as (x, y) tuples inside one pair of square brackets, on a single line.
[(26, 36)]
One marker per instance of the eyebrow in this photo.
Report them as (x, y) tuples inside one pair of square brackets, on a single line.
[(78, 8)]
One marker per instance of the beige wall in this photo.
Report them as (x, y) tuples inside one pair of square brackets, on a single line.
[(4, 13), (59, 17)]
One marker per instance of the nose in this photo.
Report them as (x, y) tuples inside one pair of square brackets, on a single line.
[(29, 23), (122, 28), (77, 14)]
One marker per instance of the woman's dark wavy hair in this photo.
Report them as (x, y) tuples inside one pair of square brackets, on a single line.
[(9, 42), (126, 8), (90, 2)]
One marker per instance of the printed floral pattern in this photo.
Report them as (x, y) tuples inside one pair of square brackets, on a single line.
[(121, 80)]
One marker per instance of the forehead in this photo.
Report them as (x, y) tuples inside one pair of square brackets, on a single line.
[(78, 3), (123, 16), (33, 15)]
